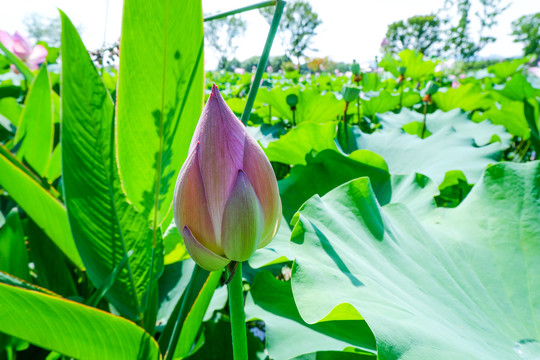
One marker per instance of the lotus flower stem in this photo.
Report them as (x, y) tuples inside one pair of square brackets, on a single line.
[(238, 317), (280, 4), (424, 122)]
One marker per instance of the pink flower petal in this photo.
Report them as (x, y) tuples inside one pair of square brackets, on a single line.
[(201, 255), (6, 40), (190, 206), (21, 46), (38, 54), (221, 137), (243, 221), (262, 178)]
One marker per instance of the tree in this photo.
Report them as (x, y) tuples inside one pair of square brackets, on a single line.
[(297, 27), (459, 41), (219, 35), (526, 30), (419, 33), (40, 28)]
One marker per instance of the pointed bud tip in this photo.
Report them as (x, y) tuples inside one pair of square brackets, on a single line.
[(215, 90)]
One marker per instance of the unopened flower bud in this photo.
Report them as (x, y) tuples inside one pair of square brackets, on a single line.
[(226, 201)]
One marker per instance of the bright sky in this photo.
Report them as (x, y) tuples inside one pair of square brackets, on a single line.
[(351, 29)]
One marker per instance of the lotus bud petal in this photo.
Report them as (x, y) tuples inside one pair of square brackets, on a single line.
[(206, 258), (226, 201), (243, 221)]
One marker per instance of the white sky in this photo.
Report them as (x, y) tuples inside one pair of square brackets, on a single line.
[(351, 29)]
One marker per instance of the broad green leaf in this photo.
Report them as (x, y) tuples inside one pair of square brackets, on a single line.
[(505, 69), (482, 133), (413, 62), (10, 109), (467, 97), (312, 105), (416, 67), (518, 88), (378, 104), (175, 250), (160, 97), (193, 321), (35, 128), (18, 63), (50, 267), (293, 147), (196, 289), (216, 343), (455, 284), (55, 166), (328, 169), (104, 225), (448, 148), (9, 279), (288, 335), (278, 251), (45, 209), (13, 254), (70, 328), (510, 114), (347, 354)]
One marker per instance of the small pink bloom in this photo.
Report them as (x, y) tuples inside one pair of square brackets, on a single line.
[(20, 47), (384, 42), (455, 84), (240, 71), (226, 200), (269, 69)]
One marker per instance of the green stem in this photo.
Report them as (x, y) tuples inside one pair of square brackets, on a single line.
[(400, 94), (280, 4), (238, 317), (241, 10), (424, 123)]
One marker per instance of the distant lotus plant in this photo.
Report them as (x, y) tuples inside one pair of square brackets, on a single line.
[(226, 201), (20, 46)]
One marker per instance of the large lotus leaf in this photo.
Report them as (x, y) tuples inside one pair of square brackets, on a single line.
[(293, 147), (278, 251), (288, 335), (412, 61), (511, 115), (416, 190), (415, 65), (505, 69), (311, 106), (328, 169), (378, 104), (446, 149), (458, 284), (482, 133), (467, 97), (518, 88)]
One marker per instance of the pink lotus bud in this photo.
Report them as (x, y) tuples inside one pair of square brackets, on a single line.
[(20, 47), (226, 201)]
